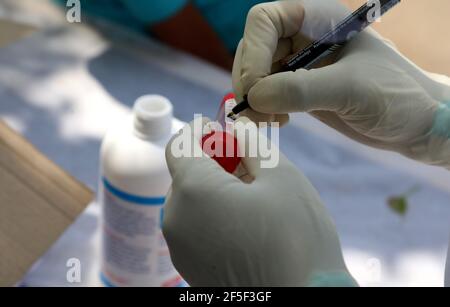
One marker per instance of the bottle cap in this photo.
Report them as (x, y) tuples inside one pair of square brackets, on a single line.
[(152, 117)]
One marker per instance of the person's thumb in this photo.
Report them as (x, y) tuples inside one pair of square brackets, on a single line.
[(184, 151), (322, 89), (261, 157)]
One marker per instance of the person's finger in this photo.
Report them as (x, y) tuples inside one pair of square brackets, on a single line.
[(258, 117), (282, 119), (236, 74), (286, 48), (267, 23), (258, 154), (322, 16), (184, 152), (283, 51), (323, 89), (267, 119)]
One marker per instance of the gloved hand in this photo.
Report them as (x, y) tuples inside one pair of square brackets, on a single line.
[(370, 92), (271, 232)]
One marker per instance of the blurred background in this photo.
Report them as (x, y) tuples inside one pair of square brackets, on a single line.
[(420, 31), (62, 85)]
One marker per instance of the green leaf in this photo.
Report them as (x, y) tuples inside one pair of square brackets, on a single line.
[(399, 205)]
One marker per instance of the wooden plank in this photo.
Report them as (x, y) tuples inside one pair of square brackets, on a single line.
[(16, 257), (29, 154), (38, 201)]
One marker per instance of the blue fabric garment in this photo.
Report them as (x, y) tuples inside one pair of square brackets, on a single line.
[(112, 10), (149, 12), (226, 17)]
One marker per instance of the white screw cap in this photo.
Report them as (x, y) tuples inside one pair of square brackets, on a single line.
[(153, 117)]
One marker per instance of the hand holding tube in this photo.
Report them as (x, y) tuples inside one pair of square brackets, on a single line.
[(273, 231)]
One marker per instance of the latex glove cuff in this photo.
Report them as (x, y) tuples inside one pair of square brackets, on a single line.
[(332, 279), (439, 146)]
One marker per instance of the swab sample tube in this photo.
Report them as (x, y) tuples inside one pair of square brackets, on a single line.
[(220, 143), (227, 105)]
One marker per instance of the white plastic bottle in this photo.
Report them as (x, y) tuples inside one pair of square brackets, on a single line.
[(134, 180)]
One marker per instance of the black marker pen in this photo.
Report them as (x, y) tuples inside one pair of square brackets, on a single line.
[(330, 42)]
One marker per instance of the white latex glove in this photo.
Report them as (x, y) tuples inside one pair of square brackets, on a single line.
[(271, 232), (370, 93)]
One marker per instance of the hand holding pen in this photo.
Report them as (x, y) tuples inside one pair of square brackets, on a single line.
[(331, 42)]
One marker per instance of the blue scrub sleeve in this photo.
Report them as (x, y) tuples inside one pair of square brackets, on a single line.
[(153, 11)]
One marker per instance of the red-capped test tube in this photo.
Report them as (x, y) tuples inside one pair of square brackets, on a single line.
[(220, 144), (227, 105)]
